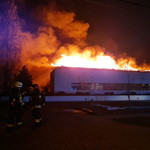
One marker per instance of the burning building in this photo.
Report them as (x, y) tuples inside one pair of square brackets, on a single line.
[(99, 81), (62, 40)]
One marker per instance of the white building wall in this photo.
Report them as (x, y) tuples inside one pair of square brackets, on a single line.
[(64, 76), (95, 98), (88, 98)]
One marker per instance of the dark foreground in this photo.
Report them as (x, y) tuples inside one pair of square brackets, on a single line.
[(78, 126)]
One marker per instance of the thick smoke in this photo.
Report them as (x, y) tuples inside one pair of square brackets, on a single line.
[(45, 47)]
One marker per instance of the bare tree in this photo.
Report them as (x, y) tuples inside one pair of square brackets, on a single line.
[(10, 40)]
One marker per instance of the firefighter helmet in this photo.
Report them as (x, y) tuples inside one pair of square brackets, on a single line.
[(18, 84), (35, 86)]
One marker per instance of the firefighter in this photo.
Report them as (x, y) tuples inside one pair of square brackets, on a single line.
[(15, 108), (43, 97), (35, 102)]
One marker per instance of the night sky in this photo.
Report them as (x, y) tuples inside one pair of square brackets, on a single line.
[(119, 26)]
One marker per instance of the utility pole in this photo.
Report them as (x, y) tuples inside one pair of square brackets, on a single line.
[(141, 85), (128, 88)]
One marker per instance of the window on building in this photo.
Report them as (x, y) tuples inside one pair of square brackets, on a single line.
[(76, 86), (145, 87), (108, 86)]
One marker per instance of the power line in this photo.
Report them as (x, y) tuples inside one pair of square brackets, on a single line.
[(93, 1), (134, 4), (96, 2)]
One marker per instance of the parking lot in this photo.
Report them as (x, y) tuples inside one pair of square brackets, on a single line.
[(78, 125)]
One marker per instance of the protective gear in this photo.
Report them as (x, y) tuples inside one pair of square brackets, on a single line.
[(43, 97), (35, 102), (35, 86), (15, 109), (18, 84)]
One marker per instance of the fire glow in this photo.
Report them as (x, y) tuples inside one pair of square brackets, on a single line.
[(79, 61), (99, 62)]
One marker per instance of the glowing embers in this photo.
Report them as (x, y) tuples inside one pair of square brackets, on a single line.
[(86, 62)]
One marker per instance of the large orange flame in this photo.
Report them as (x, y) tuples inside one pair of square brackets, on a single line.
[(100, 61), (81, 61)]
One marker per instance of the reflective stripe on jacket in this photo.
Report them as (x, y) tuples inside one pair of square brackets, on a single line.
[(36, 106)]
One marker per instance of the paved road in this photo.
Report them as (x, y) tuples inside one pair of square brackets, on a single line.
[(66, 127)]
